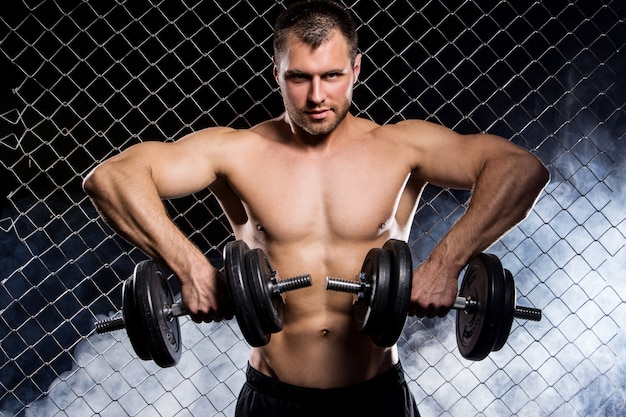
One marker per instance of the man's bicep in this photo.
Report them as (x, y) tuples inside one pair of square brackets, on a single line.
[(449, 159), (188, 165)]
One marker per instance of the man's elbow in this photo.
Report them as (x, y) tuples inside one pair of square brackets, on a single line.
[(92, 183), (537, 173), (532, 177)]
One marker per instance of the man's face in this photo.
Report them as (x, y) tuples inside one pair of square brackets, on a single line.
[(316, 84)]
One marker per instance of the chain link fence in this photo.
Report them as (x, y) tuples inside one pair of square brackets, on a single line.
[(83, 80)]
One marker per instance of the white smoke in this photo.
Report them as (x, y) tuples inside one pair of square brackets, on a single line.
[(568, 259), (108, 380)]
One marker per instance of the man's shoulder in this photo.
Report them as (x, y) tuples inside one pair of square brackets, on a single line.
[(408, 125), (408, 128), (268, 128), (217, 136)]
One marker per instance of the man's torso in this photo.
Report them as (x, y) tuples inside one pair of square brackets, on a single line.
[(318, 211)]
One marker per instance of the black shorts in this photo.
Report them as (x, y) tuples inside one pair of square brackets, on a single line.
[(384, 395)]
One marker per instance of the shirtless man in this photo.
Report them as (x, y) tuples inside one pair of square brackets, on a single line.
[(316, 188)]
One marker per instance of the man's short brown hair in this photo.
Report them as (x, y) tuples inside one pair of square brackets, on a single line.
[(312, 22)]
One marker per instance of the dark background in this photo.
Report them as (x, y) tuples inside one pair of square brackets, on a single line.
[(82, 81)]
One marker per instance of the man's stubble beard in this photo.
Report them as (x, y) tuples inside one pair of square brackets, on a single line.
[(317, 128)]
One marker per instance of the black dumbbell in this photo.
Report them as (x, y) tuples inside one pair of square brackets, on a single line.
[(150, 314), (256, 293), (488, 304), (487, 300)]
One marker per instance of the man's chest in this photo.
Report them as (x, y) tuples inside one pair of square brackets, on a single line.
[(352, 196)]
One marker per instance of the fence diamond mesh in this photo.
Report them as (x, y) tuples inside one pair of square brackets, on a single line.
[(83, 80)]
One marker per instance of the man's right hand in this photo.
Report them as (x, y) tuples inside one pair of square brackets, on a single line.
[(206, 296)]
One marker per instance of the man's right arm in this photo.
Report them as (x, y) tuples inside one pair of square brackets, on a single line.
[(128, 190)]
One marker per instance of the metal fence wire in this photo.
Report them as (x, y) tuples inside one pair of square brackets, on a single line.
[(83, 80)]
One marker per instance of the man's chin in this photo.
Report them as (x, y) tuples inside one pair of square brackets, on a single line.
[(319, 127), (318, 130)]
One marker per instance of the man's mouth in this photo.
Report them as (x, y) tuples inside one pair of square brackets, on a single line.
[(318, 114)]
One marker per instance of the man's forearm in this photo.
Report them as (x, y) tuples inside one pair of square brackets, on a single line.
[(504, 194), (131, 206)]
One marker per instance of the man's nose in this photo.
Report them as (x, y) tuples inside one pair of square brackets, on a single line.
[(316, 92)]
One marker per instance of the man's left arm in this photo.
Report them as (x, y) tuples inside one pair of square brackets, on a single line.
[(505, 180)]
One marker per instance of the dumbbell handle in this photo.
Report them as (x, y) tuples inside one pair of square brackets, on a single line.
[(460, 303), (179, 309), (109, 325), (525, 313), (117, 323), (289, 284)]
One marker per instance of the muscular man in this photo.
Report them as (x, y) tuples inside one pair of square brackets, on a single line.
[(316, 188)]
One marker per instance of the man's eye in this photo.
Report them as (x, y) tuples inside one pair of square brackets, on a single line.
[(297, 77)]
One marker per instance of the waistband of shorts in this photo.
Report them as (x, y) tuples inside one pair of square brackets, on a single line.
[(394, 376)]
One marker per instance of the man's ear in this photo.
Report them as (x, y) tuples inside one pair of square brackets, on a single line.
[(357, 66), (275, 69)]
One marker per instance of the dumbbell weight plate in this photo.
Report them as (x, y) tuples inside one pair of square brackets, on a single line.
[(477, 331), (132, 321), (399, 292), (269, 308), (370, 311), (153, 295), (238, 283), (508, 310)]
